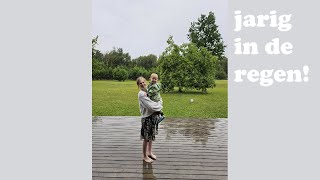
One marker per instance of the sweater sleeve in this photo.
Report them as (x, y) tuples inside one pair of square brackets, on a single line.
[(149, 104)]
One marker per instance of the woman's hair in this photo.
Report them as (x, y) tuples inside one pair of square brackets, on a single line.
[(139, 79)]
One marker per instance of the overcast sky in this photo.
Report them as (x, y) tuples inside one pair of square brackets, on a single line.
[(142, 27)]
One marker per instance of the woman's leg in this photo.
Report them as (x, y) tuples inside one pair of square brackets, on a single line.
[(149, 151), (144, 151)]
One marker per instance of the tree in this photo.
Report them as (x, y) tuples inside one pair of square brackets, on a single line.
[(96, 54), (117, 57), (205, 33), (146, 62), (99, 68), (186, 66), (203, 67), (94, 43), (170, 62)]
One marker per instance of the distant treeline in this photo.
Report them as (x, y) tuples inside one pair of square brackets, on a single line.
[(118, 65)]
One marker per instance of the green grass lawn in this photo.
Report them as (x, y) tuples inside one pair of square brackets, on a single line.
[(114, 98)]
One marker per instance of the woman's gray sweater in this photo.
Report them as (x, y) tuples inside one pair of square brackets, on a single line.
[(147, 106)]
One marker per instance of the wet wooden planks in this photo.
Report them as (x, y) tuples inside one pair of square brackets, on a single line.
[(185, 149)]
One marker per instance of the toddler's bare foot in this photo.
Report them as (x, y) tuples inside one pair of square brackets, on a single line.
[(152, 156), (147, 159)]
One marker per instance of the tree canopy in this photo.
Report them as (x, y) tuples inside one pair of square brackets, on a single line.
[(146, 62), (117, 57), (186, 66), (205, 33)]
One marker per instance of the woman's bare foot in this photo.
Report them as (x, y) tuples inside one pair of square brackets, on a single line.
[(152, 156), (147, 159)]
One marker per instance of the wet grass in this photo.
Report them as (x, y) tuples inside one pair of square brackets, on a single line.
[(114, 98)]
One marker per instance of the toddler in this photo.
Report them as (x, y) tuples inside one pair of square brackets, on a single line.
[(153, 91)]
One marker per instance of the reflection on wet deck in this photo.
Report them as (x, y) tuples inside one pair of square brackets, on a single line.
[(185, 149)]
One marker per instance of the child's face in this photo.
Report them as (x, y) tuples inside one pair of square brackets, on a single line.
[(154, 79)]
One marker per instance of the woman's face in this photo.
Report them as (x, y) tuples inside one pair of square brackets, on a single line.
[(142, 84)]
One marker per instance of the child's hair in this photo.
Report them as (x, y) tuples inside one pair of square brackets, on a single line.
[(139, 79), (153, 75)]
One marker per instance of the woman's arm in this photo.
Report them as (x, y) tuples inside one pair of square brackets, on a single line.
[(149, 104)]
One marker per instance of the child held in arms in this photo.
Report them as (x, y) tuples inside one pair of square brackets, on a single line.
[(153, 91)]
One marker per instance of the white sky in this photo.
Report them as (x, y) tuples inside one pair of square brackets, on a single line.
[(142, 27)]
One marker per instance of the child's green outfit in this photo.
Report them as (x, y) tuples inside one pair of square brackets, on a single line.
[(153, 91)]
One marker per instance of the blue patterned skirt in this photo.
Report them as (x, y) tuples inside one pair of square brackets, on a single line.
[(149, 127)]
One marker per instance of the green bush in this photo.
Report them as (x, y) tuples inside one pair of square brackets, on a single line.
[(136, 72), (120, 74), (101, 73), (220, 74)]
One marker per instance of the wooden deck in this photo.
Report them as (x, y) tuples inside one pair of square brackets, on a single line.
[(185, 149)]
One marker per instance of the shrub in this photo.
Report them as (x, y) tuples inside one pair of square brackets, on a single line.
[(120, 74), (135, 72)]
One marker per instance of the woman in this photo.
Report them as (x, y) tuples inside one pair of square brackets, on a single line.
[(149, 120)]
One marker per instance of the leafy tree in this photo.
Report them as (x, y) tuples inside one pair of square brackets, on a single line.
[(202, 64), (99, 69), (186, 66), (170, 69), (98, 56), (117, 57), (146, 62), (205, 33), (94, 43)]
